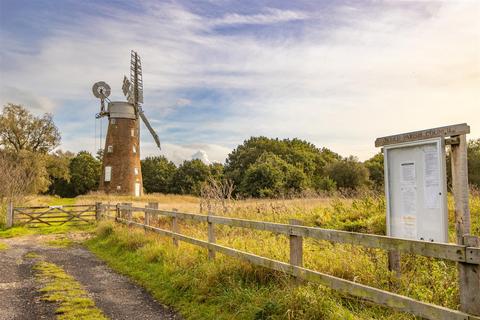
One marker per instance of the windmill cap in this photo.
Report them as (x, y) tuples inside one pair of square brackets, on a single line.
[(121, 109)]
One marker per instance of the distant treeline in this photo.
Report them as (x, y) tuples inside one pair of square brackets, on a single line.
[(259, 167)]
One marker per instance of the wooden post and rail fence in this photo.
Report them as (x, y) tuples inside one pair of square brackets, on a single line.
[(466, 254)]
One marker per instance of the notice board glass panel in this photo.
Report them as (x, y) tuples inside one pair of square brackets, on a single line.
[(415, 187)]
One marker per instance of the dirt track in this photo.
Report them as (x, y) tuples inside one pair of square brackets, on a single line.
[(114, 294)]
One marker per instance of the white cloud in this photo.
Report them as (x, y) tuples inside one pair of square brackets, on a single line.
[(374, 71), (36, 104), (270, 16), (202, 156), (183, 102), (208, 153)]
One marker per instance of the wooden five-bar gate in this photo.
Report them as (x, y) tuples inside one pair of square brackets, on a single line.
[(51, 215)]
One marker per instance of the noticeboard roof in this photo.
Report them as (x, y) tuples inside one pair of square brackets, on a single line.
[(447, 131)]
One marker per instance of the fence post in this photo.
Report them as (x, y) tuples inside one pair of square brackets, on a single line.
[(98, 211), (117, 212), (129, 212), (211, 237), (175, 227), (468, 274), (151, 205), (10, 214), (126, 213), (296, 246), (394, 262)]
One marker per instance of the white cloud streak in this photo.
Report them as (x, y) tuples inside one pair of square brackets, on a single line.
[(378, 71)]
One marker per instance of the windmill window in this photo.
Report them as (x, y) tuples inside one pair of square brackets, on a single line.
[(110, 149), (134, 149), (135, 170), (108, 173), (113, 121), (132, 132)]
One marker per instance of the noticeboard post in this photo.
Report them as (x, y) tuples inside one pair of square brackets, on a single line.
[(415, 189)]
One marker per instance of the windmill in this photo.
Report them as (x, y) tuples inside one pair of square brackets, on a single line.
[(121, 171)]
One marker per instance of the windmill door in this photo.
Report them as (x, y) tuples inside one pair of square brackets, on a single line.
[(137, 189)]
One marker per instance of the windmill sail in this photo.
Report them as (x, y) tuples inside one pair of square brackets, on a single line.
[(136, 78), (149, 127), (133, 90)]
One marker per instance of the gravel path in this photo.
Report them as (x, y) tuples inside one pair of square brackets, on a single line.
[(114, 294)]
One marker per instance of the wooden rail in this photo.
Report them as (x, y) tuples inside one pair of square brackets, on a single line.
[(447, 251), (459, 253)]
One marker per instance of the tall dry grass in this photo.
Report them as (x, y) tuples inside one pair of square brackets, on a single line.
[(426, 279)]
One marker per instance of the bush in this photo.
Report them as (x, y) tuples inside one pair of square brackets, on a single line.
[(190, 176), (157, 174), (348, 173), (270, 176), (84, 172)]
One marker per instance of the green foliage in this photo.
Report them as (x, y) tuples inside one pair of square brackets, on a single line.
[(217, 171), (22, 131), (366, 215), (375, 170), (270, 176), (348, 173), (474, 162), (190, 176), (23, 173), (84, 172), (309, 162), (324, 184), (58, 168), (157, 173)]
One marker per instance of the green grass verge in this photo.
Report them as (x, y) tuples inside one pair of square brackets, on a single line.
[(224, 289), (32, 255), (22, 231), (59, 287), (60, 243), (3, 246)]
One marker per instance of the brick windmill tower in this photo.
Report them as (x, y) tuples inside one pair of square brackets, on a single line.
[(121, 171)]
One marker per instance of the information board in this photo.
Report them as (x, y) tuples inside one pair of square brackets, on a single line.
[(416, 192)]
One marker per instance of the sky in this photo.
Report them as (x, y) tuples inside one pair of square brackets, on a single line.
[(335, 73)]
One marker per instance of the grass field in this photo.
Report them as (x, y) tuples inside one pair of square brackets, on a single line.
[(230, 289)]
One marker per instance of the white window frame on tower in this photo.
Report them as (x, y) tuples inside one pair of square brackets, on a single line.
[(135, 171), (108, 173), (132, 132), (134, 149), (110, 149)]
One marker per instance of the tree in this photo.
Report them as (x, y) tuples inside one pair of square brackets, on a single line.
[(301, 154), (375, 170), (190, 176), (20, 130), (157, 173), (348, 173), (84, 173), (217, 171), (58, 168), (271, 176)]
